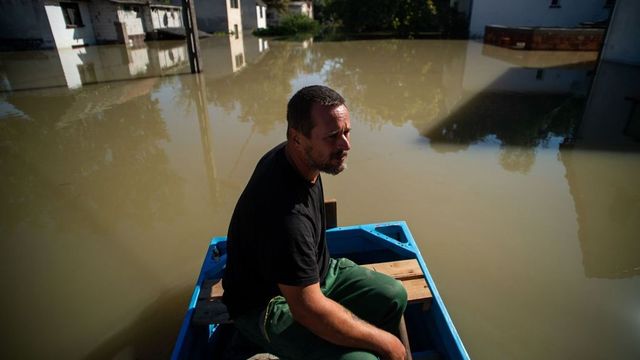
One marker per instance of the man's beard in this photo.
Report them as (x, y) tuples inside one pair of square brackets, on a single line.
[(327, 167)]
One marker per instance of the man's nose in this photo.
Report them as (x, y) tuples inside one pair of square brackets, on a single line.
[(343, 143)]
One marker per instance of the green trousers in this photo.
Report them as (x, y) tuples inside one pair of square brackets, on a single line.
[(374, 297)]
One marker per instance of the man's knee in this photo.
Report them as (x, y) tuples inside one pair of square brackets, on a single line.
[(394, 293)]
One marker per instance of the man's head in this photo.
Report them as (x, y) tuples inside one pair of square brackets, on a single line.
[(318, 126)]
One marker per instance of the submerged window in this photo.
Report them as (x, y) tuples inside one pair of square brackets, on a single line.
[(554, 4), (71, 13), (239, 60), (609, 3)]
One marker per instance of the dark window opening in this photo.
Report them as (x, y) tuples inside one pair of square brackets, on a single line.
[(555, 4), (235, 31), (609, 3), (539, 74), (234, 4), (71, 13)]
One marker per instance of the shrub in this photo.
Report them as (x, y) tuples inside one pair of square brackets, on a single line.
[(291, 25)]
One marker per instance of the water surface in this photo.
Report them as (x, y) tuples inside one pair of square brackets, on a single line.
[(111, 188)]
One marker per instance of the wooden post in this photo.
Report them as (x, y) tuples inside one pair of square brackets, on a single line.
[(404, 337), (331, 213), (190, 23)]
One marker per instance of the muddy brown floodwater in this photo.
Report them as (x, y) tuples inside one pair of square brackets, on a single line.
[(113, 180)]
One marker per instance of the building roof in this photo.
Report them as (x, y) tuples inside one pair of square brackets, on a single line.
[(164, 6), (134, 2)]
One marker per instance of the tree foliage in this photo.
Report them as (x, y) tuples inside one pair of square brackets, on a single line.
[(403, 17), (280, 5)]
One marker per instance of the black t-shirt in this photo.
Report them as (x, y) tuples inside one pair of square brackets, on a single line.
[(276, 235)]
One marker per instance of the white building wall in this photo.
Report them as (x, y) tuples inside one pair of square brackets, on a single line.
[(165, 18), (623, 37), (261, 16), (302, 8), (67, 37), (534, 13), (132, 20), (234, 18)]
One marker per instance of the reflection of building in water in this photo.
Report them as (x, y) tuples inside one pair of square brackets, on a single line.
[(224, 55), (604, 184), (254, 48), (604, 187), (490, 68), (75, 67), (612, 114), (500, 98), (39, 24), (236, 45)]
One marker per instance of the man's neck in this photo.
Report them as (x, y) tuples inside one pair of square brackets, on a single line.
[(296, 159)]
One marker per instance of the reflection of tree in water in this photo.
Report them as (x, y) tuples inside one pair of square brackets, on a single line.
[(261, 91), (390, 81), (98, 151), (520, 122)]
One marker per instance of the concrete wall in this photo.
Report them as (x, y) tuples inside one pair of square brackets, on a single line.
[(104, 16), (622, 43), (68, 37), (533, 13), (25, 22)]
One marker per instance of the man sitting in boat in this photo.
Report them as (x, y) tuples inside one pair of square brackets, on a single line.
[(281, 287)]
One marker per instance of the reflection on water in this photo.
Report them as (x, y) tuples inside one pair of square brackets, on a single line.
[(96, 64), (109, 192)]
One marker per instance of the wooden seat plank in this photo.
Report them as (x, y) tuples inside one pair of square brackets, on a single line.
[(399, 270), (406, 271)]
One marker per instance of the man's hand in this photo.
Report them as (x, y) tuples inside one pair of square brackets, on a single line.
[(334, 323), (394, 350)]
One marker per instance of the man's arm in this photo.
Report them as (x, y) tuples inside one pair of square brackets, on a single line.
[(336, 324)]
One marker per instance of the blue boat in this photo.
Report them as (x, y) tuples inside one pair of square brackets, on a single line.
[(431, 332)]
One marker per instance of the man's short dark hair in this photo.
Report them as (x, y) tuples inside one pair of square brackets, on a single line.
[(299, 107)]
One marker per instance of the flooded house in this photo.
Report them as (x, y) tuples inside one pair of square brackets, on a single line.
[(293, 8), (532, 13), (40, 24), (254, 14), (218, 15)]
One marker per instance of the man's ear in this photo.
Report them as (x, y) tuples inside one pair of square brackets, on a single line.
[(294, 135)]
